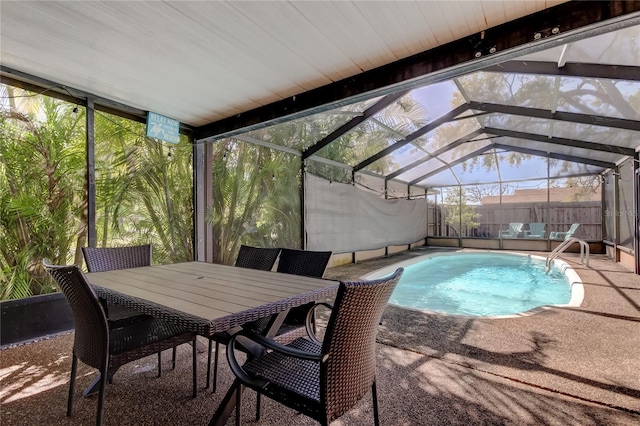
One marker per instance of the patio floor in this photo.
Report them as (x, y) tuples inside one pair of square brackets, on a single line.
[(562, 366)]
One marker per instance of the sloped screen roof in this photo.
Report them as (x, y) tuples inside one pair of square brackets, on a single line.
[(568, 111)]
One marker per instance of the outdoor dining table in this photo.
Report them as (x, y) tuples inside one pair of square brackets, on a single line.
[(209, 298)]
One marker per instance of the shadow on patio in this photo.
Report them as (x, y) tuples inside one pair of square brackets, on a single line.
[(560, 366)]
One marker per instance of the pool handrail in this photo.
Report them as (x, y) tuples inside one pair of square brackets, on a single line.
[(584, 251)]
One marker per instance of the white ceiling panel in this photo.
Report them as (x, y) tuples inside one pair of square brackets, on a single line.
[(200, 62)]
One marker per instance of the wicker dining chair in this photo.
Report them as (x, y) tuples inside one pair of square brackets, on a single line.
[(307, 263), (322, 380), (259, 258), (101, 259), (98, 345)]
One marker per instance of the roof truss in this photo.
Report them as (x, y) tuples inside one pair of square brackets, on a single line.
[(529, 34), (571, 69), (451, 164), (539, 153), (561, 141), (571, 117)]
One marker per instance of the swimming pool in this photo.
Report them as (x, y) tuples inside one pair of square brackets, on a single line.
[(483, 284)]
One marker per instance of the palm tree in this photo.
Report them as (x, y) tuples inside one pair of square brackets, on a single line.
[(144, 190), (254, 198), (41, 170), (256, 190)]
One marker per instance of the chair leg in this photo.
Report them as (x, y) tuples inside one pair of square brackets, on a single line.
[(103, 386), (374, 395), (159, 364), (72, 384), (195, 367), (238, 404), (175, 351), (209, 363), (258, 406), (215, 368)]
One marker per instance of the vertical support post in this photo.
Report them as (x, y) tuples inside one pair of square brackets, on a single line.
[(91, 173), (207, 199), (353, 181), (437, 218), (198, 201), (409, 198), (203, 196), (303, 230), (460, 215), (426, 200), (501, 214), (386, 196), (636, 207), (548, 215), (603, 208), (616, 217)]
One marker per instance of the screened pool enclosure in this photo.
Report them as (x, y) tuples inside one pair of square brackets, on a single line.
[(510, 154), (549, 138)]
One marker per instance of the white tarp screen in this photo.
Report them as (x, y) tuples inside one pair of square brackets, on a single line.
[(343, 218)]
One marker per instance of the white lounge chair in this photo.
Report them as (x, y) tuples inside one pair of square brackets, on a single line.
[(536, 230), (512, 232), (564, 235)]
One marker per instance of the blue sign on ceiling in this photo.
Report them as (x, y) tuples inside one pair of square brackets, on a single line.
[(161, 127)]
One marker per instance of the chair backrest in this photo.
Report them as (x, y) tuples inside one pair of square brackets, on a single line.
[(571, 231), (350, 339), (303, 262), (110, 258), (91, 337), (515, 227), (257, 257), (537, 228)]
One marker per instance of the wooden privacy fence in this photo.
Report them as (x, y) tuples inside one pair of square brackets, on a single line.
[(485, 221)]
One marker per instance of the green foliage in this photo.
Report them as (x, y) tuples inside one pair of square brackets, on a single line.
[(586, 188), (41, 170), (583, 95), (256, 190), (458, 213), (144, 190), (255, 198), (370, 137)]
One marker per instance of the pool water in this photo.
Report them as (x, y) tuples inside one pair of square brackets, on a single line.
[(481, 284)]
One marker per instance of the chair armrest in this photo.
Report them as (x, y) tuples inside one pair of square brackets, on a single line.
[(308, 323), (275, 346), (243, 376)]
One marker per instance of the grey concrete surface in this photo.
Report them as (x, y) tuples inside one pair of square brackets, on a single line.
[(562, 366)]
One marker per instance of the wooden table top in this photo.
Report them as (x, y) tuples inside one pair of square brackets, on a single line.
[(207, 297)]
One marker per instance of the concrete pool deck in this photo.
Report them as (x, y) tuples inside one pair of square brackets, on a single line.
[(562, 366)]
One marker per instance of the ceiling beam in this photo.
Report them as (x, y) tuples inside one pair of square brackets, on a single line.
[(571, 117), (570, 69), (497, 182), (413, 136), (550, 27), (453, 163), (554, 155), (561, 141), (273, 146), (355, 121), (68, 93), (435, 153)]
